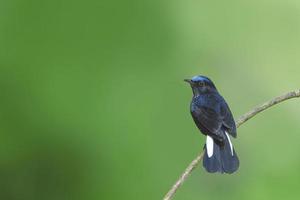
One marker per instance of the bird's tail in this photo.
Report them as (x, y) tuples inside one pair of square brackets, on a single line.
[(220, 157)]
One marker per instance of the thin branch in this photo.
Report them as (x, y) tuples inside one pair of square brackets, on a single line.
[(238, 122)]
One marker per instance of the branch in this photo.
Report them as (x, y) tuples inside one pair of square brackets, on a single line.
[(238, 123)]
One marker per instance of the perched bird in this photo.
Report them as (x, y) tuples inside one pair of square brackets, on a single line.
[(214, 119)]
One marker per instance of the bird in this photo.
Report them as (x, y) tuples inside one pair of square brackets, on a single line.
[(214, 119)]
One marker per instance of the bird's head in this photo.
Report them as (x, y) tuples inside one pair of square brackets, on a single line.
[(201, 84)]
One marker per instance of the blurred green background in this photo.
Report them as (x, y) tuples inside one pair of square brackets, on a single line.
[(93, 104)]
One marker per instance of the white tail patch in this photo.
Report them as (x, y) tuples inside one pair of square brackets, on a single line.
[(231, 147), (209, 146)]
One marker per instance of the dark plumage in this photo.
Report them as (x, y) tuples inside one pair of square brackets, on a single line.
[(214, 119)]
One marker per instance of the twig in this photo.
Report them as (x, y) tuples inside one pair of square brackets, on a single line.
[(238, 122)]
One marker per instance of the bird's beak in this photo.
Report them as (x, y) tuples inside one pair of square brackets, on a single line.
[(188, 81)]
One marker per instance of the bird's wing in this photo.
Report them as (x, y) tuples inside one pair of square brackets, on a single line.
[(208, 119), (228, 120)]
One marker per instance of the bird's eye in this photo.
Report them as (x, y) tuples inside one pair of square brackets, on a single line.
[(201, 84)]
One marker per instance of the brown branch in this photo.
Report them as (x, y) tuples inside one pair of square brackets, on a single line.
[(238, 122)]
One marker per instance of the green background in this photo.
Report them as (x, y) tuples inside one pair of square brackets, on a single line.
[(93, 104)]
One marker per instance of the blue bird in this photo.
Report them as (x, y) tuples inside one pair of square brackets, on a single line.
[(214, 119)]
